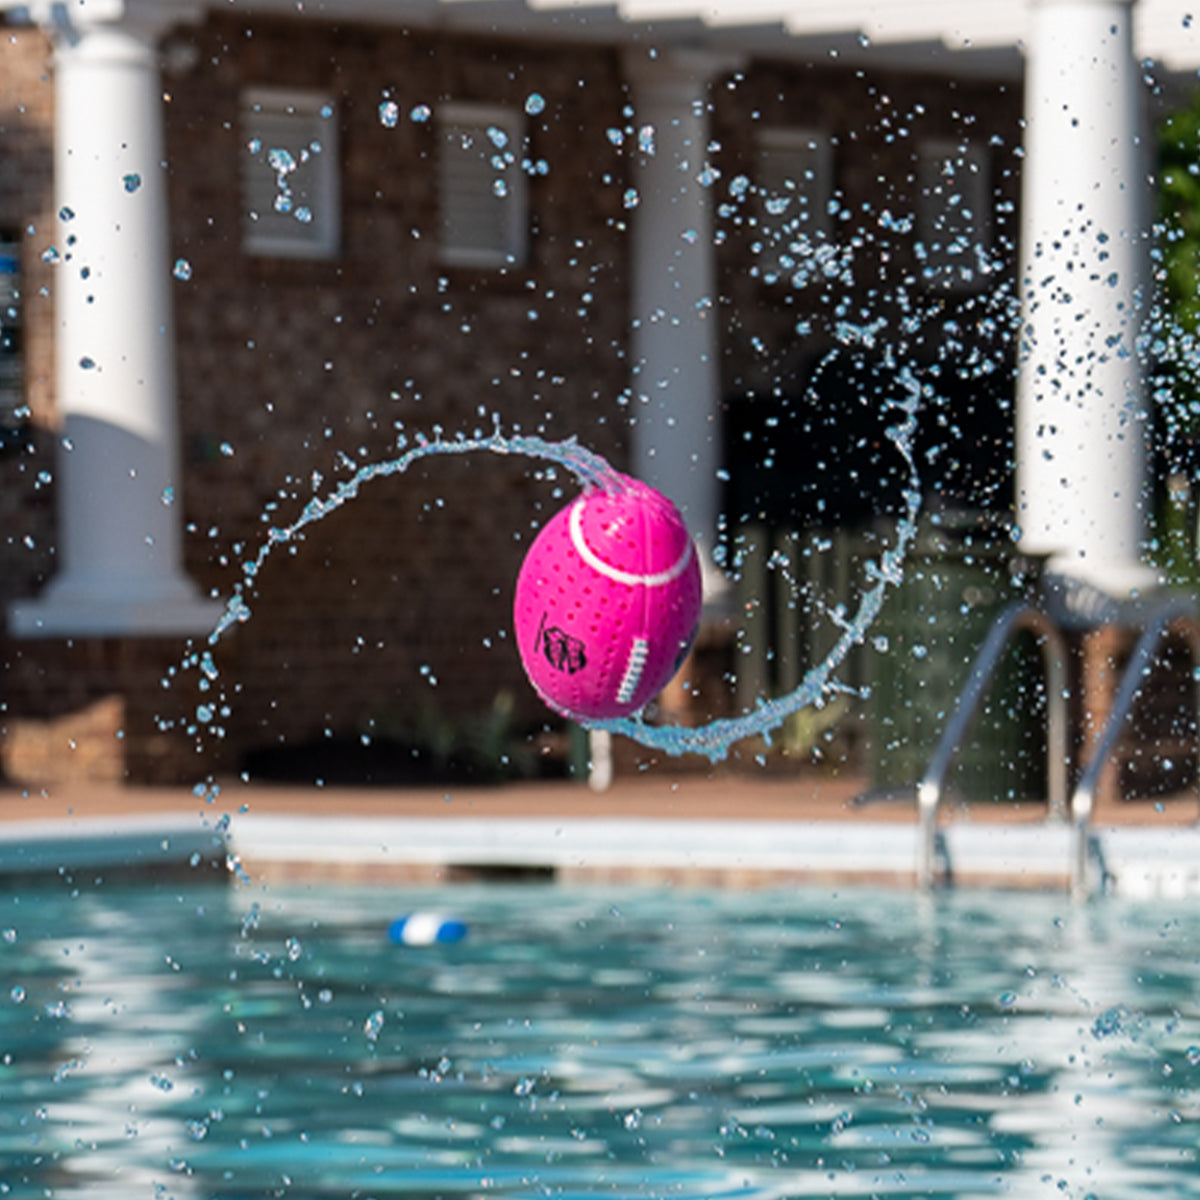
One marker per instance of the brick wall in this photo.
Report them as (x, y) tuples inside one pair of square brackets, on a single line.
[(400, 602), (775, 334), (291, 371)]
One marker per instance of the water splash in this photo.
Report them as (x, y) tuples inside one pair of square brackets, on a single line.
[(921, 332), (715, 739)]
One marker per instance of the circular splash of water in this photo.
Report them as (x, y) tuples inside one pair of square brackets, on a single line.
[(715, 739)]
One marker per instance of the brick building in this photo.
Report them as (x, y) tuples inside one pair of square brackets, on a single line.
[(377, 221)]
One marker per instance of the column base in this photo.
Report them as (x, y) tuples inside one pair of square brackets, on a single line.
[(1118, 578), (86, 608)]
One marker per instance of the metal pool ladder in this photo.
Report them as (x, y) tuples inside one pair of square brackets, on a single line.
[(1176, 614), (1173, 615), (931, 790)]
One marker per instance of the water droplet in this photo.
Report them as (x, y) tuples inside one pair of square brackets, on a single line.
[(389, 114), (182, 269), (535, 103), (50, 255), (281, 161), (87, 363), (1109, 1022), (132, 182), (373, 1026), (18, 994), (66, 214), (421, 113)]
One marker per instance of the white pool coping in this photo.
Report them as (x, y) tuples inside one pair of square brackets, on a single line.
[(98, 844), (1140, 861)]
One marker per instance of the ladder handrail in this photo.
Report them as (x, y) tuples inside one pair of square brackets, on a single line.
[(1176, 614), (1018, 616)]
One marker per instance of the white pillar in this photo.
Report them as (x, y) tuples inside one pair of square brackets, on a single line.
[(119, 553), (1081, 398), (675, 372)]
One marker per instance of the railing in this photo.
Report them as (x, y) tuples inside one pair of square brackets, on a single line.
[(1176, 615), (932, 787), (786, 580)]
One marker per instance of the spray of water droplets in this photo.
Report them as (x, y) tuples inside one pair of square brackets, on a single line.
[(903, 343), (714, 739)]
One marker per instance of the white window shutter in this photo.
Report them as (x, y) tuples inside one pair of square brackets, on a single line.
[(794, 181), (481, 185), (954, 212), (289, 174)]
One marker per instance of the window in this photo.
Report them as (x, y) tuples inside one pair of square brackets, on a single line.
[(289, 175), (795, 185), (12, 400), (953, 215), (481, 186)]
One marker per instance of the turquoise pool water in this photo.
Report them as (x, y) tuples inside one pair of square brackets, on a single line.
[(240, 1043)]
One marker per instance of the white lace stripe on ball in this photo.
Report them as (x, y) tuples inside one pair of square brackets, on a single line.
[(633, 670), (593, 560)]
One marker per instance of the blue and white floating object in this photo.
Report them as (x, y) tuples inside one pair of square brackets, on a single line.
[(426, 929)]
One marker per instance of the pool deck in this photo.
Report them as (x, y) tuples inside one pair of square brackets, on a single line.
[(682, 828)]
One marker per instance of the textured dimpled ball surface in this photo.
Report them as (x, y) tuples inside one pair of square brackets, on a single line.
[(607, 602)]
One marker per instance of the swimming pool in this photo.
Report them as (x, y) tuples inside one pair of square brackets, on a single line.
[(214, 1042)]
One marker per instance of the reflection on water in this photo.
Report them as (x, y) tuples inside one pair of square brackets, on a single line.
[(196, 1043)]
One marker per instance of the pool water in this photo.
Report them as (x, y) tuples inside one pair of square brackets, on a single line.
[(236, 1042)]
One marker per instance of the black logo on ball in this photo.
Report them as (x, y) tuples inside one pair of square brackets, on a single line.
[(563, 652)]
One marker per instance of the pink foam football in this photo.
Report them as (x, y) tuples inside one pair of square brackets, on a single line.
[(607, 602)]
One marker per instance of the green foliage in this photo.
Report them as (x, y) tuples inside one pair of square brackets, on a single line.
[(1177, 253), (1176, 343), (486, 746), (1179, 213), (1173, 549)]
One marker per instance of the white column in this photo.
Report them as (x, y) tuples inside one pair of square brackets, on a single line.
[(119, 553), (1081, 399), (675, 375)]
